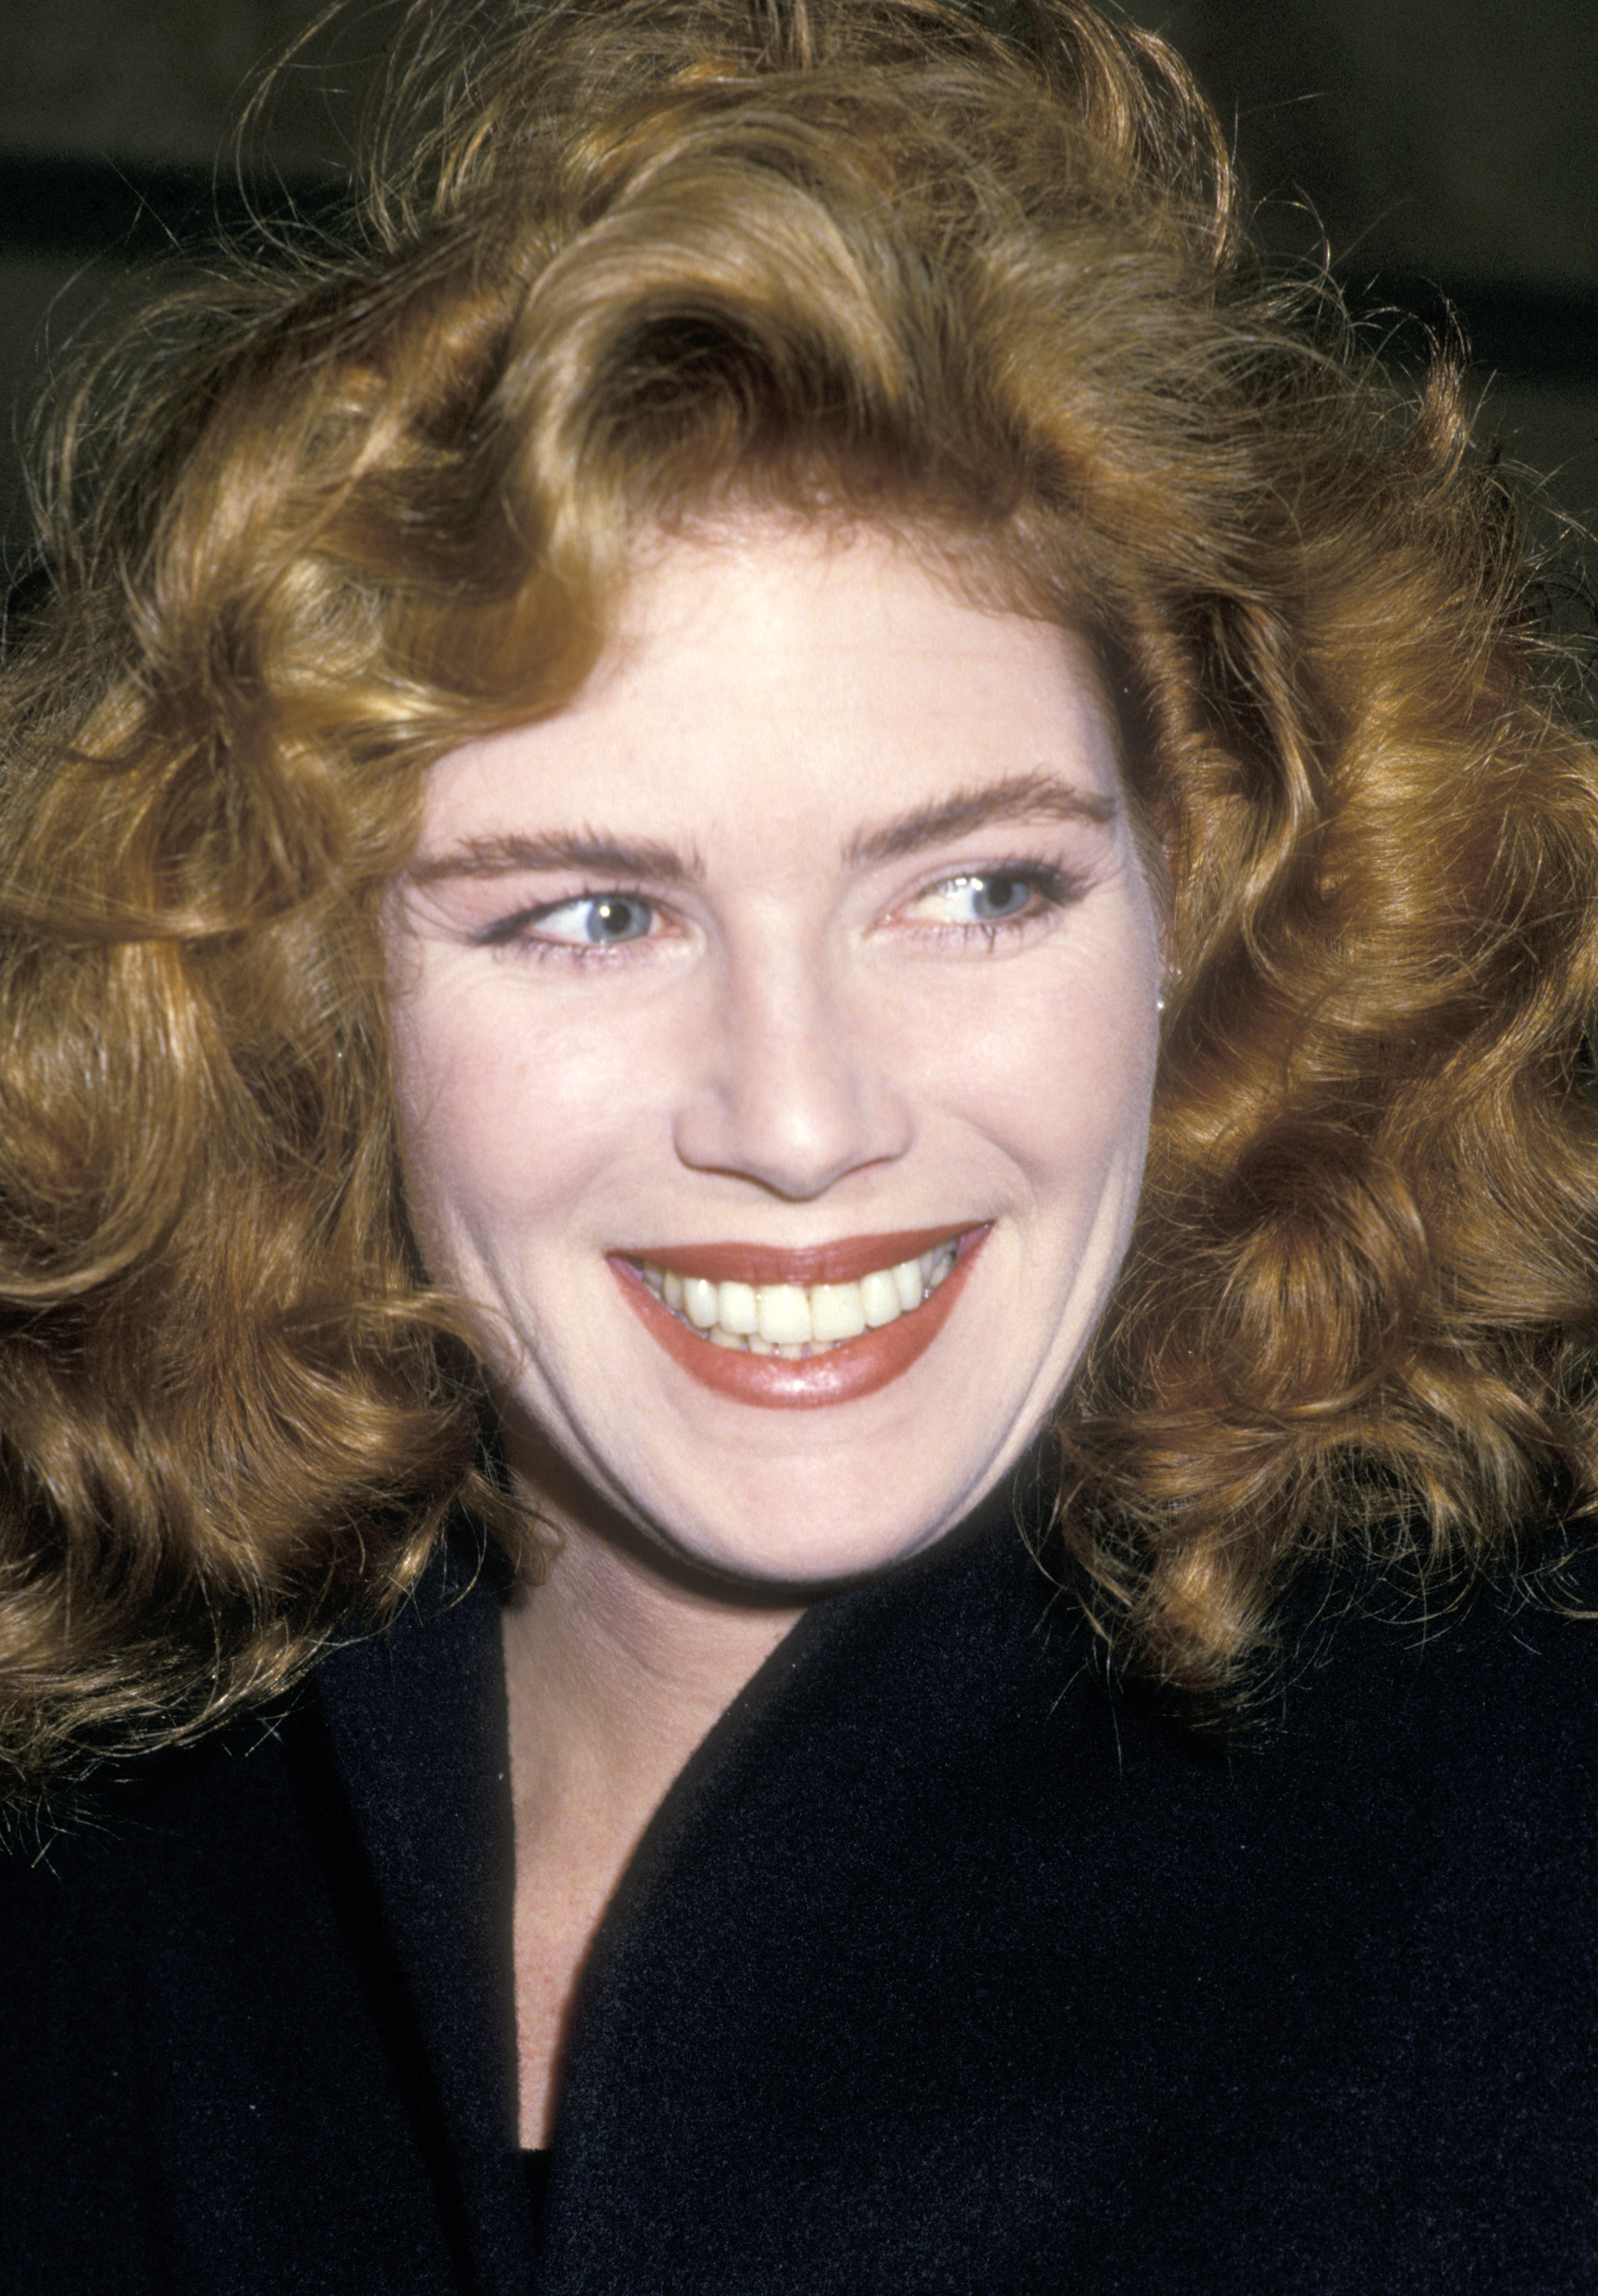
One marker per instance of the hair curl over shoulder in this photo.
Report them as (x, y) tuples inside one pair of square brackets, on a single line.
[(865, 260)]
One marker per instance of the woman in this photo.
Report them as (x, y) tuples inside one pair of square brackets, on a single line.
[(703, 1641)]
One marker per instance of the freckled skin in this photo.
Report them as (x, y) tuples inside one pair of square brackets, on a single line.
[(788, 1045)]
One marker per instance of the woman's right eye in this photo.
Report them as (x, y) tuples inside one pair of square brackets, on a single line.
[(592, 920)]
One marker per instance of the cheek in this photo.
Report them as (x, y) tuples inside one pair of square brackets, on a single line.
[(447, 1153), (504, 1131), (1063, 1081)]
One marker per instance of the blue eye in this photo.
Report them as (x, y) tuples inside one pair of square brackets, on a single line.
[(998, 897), (984, 899), (599, 920), (591, 921)]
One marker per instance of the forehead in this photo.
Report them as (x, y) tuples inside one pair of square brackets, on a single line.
[(801, 676)]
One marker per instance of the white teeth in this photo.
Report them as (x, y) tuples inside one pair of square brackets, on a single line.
[(785, 1315), (701, 1303), (794, 1320), (836, 1312), (740, 1309), (879, 1298)]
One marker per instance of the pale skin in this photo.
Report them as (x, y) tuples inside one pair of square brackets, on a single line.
[(613, 1677), (817, 917)]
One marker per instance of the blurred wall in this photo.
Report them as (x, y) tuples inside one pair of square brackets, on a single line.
[(1448, 143), (1452, 141)]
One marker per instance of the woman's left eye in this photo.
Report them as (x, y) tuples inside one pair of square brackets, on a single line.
[(591, 921), (992, 896)]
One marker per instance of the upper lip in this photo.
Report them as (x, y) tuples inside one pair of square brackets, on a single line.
[(843, 1261)]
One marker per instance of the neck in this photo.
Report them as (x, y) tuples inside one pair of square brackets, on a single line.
[(615, 1672), (619, 1662)]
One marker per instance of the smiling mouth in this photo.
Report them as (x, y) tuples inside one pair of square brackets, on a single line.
[(871, 1307), (798, 1321)]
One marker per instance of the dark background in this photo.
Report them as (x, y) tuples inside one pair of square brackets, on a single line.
[(1442, 148)]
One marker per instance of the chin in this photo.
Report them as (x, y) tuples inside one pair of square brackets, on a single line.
[(842, 1533)]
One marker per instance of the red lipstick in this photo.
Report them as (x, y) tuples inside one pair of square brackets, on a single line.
[(840, 1374)]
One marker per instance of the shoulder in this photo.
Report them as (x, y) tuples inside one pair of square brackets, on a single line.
[(1478, 1703), (1047, 1984), (202, 2015), (975, 1677)]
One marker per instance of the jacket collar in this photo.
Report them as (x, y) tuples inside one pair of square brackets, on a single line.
[(417, 1718)]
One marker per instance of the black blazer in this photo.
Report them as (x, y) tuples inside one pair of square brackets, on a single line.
[(939, 1969)]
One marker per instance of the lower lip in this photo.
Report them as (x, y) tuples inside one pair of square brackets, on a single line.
[(841, 1375)]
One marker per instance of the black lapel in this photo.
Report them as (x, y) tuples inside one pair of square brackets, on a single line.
[(417, 1719)]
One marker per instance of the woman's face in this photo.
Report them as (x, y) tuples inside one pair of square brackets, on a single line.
[(799, 977)]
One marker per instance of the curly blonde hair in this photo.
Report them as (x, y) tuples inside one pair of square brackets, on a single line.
[(317, 520)]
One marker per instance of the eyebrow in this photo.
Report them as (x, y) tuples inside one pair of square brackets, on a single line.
[(609, 857), (1022, 797)]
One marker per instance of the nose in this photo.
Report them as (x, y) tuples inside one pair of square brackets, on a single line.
[(794, 1088)]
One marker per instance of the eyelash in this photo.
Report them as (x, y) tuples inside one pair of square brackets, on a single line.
[(511, 933), (1052, 889)]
